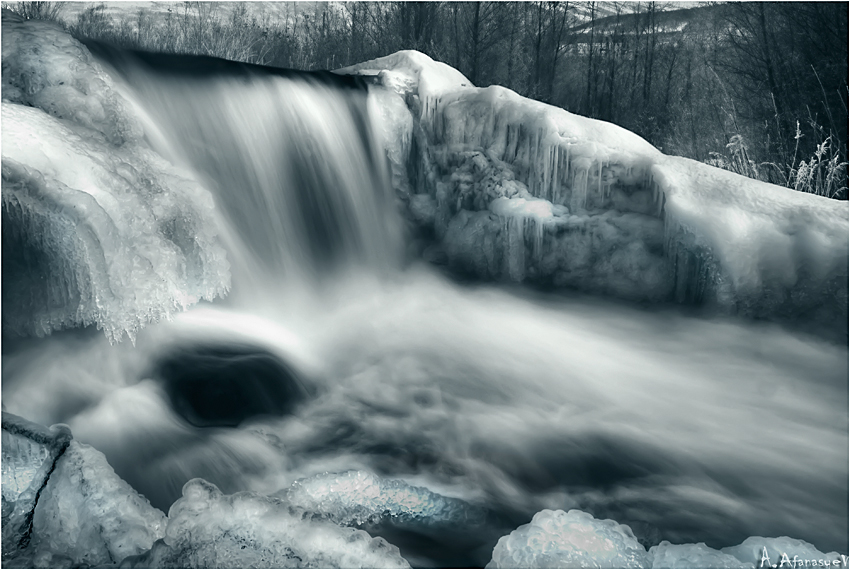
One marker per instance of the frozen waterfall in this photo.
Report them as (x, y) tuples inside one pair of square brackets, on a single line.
[(384, 318)]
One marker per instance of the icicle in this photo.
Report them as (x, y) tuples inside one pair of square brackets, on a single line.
[(538, 241), (599, 187)]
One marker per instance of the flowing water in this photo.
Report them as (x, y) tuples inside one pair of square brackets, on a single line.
[(333, 353)]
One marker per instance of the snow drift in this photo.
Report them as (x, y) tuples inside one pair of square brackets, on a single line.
[(514, 189)]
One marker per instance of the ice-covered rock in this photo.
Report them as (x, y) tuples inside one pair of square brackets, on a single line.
[(72, 510), (359, 497), (626, 219), (97, 228), (207, 529), (555, 539)]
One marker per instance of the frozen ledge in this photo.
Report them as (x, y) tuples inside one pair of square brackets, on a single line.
[(626, 220)]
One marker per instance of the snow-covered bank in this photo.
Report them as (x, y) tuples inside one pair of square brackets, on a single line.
[(97, 228), (515, 189)]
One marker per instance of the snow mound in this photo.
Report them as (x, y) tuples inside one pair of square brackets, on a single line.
[(555, 539), (358, 497), (625, 220), (207, 529), (80, 513), (97, 228)]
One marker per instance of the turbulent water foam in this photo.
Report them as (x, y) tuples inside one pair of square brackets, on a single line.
[(688, 430)]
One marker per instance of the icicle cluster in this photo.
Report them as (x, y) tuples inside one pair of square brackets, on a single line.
[(623, 218)]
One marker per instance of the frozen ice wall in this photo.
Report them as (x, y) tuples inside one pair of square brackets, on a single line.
[(97, 228), (504, 187)]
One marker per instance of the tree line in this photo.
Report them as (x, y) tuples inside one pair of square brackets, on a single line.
[(756, 87)]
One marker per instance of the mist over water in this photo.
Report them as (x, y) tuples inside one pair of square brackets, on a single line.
[(690, 429)]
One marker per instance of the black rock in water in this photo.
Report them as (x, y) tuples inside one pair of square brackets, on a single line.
[(218, 386)]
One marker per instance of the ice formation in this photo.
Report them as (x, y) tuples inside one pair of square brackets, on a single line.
[(555, 539), (622, 218), (359, 497), (29, 452), (63, 505), (207, 529), (97, 228)]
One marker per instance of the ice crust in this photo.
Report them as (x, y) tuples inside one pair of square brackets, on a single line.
[(625, 219), (359, 497), (575, 539), (207, 529), (97, 228)]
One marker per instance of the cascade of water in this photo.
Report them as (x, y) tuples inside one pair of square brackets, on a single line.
[(293, 161)]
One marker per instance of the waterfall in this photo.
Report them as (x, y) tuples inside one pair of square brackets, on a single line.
[(300, 179)]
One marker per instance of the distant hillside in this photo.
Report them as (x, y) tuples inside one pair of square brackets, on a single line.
[(668, 18)]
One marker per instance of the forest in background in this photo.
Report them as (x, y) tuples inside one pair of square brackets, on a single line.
[(759, 88)]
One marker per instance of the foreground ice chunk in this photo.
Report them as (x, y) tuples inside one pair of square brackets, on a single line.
[(207, 529), (555, 539), (80, 512), (97, 228), (358, 497), (89, 515), (30, 452)]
